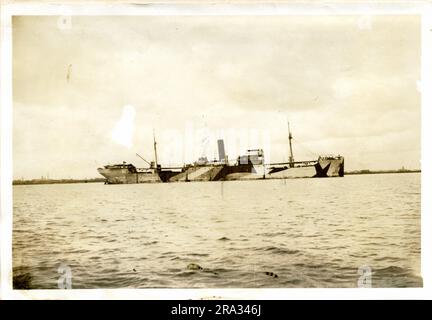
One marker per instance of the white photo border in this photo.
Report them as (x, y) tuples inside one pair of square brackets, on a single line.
[(420, 8)]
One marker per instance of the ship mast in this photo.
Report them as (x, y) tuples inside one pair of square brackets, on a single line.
[(291, 156), (155, 150)]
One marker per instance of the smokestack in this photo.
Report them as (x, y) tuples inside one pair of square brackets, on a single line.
[(221, 149)]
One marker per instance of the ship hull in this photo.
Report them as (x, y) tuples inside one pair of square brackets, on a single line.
[(124, 176), (323, 167)]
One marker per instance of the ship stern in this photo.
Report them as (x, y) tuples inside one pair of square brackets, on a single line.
[(329, 166)]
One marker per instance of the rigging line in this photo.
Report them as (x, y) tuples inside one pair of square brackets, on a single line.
[(306, 148)]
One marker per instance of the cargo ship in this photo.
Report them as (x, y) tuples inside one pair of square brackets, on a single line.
[(250, 166)]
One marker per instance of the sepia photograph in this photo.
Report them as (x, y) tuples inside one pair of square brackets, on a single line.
[(189, 151)]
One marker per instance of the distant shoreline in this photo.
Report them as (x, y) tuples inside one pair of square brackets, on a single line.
[(380, 171), (95, 180), (56, 181)]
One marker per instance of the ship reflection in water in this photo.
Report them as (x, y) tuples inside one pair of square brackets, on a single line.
[(251, 166)]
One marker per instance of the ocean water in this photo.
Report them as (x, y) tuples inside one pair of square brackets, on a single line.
[(243, 234)]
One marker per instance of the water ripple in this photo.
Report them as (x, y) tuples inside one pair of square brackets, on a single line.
[(310, 233)]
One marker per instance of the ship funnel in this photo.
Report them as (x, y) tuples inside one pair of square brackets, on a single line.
[(221, 149)]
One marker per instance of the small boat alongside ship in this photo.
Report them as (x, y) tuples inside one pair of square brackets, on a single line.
[(250, 166)]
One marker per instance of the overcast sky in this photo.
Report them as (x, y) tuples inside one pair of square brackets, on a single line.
[(90, 90)]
